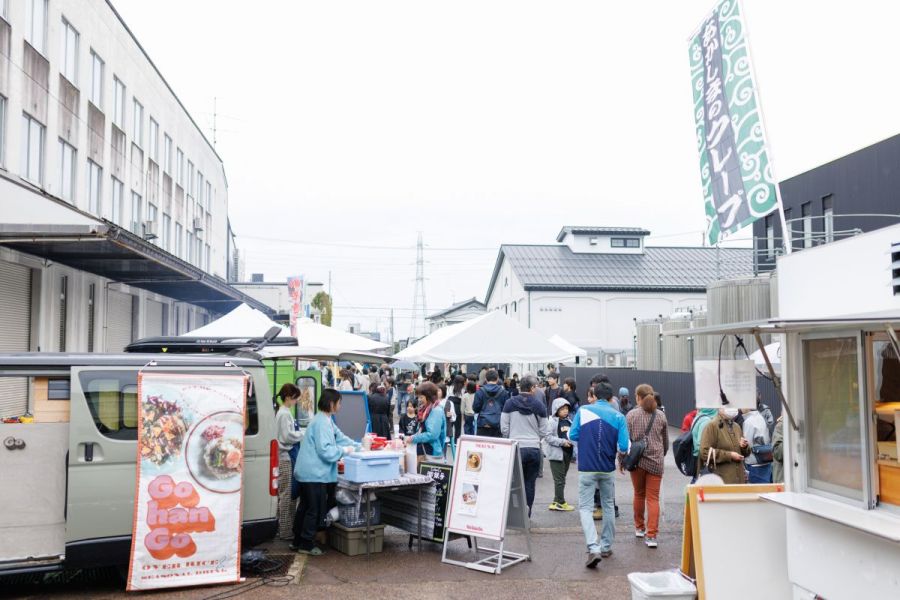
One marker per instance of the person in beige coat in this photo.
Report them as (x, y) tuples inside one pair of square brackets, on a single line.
[(724, 439)]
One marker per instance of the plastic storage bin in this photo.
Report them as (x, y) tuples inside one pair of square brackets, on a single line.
[(663, 584), (352, 540), (363, 467), (354, 515)]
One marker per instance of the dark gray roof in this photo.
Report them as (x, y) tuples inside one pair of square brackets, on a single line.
[(456, 306), (587, 230), (686, 269)]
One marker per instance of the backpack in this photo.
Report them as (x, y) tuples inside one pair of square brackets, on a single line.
[(683, 451), (490, 412)]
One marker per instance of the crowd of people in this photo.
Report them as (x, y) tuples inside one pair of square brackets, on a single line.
[(600, 433)]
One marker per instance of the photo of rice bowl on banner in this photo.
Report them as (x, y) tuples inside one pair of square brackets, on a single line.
[(187, 512)]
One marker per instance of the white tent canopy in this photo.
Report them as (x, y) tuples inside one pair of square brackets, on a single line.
[(566, 346), (773, 351), (490, 338), (244, 321)]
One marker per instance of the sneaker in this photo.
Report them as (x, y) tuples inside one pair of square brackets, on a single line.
[(606, 553), (651, 542), (555, 506), (639, 533), (592, 560), (314, 551), (598, 514), (566, 507)]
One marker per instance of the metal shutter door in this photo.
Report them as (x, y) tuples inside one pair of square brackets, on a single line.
[(154, 323), (15, 333), (118, 321)]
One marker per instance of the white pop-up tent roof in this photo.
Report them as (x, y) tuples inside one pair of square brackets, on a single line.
[(566, 346), (244, 321), (490, 338)]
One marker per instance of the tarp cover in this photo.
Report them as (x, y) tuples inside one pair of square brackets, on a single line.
[(490, 338), (244, 321)]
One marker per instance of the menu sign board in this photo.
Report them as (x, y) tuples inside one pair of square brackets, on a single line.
[(442, 475), (737, 379), (480, 490), (187, 510)]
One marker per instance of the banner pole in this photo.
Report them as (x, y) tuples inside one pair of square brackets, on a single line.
[(757, 94)]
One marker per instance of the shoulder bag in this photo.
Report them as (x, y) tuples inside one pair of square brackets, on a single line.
[(637, 448)]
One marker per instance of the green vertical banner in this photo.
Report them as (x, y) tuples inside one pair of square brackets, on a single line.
[(739, 186)]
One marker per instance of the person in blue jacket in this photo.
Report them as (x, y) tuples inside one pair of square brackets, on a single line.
[(316, 467), (600, 431), (432, 424)]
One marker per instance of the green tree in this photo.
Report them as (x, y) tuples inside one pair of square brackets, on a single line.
[(322, 303)]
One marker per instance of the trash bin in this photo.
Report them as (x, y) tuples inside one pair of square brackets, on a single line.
[(663, 584)]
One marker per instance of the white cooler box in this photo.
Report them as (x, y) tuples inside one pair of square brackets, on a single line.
[(664, 584)]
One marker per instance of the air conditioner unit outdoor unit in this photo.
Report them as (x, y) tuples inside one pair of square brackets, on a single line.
[(198, 224), (150, 230)]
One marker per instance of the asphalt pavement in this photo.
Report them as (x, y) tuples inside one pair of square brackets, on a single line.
[(556, 570)]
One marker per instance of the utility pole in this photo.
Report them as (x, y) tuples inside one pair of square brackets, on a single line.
[(392, 330), (419, 310)]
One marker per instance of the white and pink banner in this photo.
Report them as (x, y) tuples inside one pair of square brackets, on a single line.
[(187, 510)]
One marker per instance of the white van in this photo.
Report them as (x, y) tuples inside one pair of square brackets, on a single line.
[(68, 476)]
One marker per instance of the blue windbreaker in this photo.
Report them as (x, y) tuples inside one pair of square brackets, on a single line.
[(598, 428), (321, 449), (434, 434)]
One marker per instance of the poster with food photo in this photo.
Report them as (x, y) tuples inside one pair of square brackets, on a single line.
[(186, 528)]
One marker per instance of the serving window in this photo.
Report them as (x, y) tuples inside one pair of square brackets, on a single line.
[(883, 373)]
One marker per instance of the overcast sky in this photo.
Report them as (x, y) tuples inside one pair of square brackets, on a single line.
[(347, 127)]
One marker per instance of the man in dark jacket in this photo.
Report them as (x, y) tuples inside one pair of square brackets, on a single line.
[(488, 405), (553, 390), (524, 419)]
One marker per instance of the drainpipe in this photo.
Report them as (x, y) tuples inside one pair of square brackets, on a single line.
[(529, 309)]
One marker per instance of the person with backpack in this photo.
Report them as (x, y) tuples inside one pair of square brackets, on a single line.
[(488, 405), (647, 422), (455, 395)]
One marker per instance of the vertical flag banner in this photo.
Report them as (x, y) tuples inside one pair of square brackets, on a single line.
[(187, 509), (295, 297), (739, 186)]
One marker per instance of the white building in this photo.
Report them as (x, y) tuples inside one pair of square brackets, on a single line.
[(113, 204), (592, 285), (274, 294), (457, 313)]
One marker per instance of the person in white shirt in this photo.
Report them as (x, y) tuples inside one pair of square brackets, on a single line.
[(757, 433), (288, 436)]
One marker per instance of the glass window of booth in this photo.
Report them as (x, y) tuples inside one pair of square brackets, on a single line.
[(883, 373)]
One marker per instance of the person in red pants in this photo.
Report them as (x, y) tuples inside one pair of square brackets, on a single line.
[(646, 421)]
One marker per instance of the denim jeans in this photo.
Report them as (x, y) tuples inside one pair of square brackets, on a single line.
[(469, 425), (531, 464), (587, 482), (402, 397)]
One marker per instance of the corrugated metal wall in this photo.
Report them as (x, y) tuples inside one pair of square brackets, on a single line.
[(676, 389)]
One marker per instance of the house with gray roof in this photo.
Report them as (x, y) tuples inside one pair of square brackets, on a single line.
[(593, 285), (456, 313)]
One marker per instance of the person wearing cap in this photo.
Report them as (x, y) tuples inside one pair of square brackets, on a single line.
[(624, 402)]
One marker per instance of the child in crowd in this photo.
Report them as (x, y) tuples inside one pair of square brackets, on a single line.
[(558, 449), (409, 423)]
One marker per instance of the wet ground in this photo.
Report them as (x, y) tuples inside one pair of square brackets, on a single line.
[(556, 570)]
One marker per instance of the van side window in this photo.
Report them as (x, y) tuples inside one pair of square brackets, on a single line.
[(112, 399)]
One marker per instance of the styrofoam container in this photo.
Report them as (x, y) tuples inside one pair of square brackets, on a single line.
[(663, 584), (363, 467)]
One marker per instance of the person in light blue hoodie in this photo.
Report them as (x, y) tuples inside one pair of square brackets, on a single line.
[(316, 467), (432, 424)]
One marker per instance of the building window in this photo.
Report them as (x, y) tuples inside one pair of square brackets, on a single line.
[(69, 52), (179, 238), (166, 231), (200, 188), (95, 187), (149, 230), (207, 260), (828, 213), (2, 130), (806, 220), (66, 172), (96, 80), (138, 125), (208, 197), (625, 242), (179, 166), (119, 103), (118, 201), (137, 213), (833, 416), (167, 154), (32, 150), (190, 179), (153, 142), (189, 242), (770, 237), (36, 34)]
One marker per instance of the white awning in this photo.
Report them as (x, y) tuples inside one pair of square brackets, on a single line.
[(775, 325), (566, 346)]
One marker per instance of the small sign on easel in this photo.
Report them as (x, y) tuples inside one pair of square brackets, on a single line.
[(487, 496)]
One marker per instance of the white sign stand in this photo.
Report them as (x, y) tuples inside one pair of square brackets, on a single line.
[(487, 498)]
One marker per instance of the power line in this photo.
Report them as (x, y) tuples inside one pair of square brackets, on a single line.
[(364, 246)]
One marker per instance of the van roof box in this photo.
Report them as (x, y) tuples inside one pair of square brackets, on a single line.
[(203, 345)]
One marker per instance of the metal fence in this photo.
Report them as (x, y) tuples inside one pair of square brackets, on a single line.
[(676, 389)]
